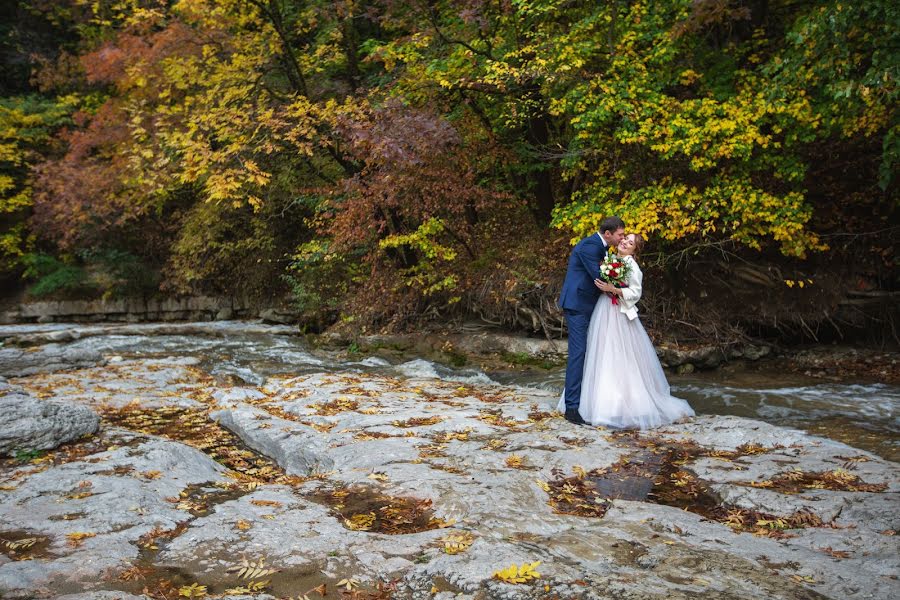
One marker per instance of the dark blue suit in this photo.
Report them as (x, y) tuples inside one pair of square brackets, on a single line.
[(578, 298)]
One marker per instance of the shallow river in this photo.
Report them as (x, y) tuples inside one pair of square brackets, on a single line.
[(862, 415)]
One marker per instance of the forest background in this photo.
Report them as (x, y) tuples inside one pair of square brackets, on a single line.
[(400, 165)]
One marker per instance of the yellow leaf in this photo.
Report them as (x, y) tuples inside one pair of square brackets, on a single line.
[(194, 590), (521, 574), (360, 521)]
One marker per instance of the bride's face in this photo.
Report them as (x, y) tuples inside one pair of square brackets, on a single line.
[(626, 247)]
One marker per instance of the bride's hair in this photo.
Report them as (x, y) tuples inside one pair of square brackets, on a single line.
[(638, 243)]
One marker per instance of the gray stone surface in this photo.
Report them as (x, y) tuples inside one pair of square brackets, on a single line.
[(117, 493), (350, 430), (18, 362), (28, 423)]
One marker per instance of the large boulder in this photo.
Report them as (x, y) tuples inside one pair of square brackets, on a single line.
[(27, 423)]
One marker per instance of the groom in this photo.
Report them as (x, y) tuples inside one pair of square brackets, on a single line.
[(578, 297)]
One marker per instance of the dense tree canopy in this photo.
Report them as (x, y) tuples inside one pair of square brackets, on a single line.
[(393, 158)]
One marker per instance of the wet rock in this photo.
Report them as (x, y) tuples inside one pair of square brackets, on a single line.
[(28, 424), (101, 595), (476, 457), (30, 335), (18, 362), (274, 315), (111, 496)]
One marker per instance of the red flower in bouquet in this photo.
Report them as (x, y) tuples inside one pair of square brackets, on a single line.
[(615, 271)]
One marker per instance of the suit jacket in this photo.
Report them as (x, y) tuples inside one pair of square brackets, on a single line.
[(579, 292)]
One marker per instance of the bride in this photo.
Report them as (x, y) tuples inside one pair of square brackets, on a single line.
[(624, 385)]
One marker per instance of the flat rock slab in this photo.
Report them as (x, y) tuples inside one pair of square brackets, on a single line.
[(479, 457), (19, 362), (89, 509)]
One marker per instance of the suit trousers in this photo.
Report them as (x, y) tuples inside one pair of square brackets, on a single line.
[(577, 323)]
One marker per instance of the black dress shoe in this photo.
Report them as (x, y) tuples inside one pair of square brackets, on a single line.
[(573, 416)]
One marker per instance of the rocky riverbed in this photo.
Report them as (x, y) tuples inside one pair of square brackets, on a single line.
[(365, 485)]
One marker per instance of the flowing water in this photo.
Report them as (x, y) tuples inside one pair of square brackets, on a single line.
[(861, 415)]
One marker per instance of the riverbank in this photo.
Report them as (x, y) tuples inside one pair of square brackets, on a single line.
[(857, 411)]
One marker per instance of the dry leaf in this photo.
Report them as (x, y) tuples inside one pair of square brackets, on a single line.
[(349, 584), (265, 503), (243, 525), (76, 538), (251, 570), (514, 461)]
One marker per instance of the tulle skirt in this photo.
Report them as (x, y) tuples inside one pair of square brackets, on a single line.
[(624, 385)]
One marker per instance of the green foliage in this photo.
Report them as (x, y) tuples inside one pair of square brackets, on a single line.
[(24, 456), (427, 274), (318, 280), (391, 157), (844, 57), (52, 276), (524, 359), (224, 249), (108, 272), (120, 274)]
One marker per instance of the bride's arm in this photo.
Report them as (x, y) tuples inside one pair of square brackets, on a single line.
[(631, 294)]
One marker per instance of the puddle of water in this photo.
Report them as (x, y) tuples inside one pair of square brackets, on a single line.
[(193, 427), (655, 471), (362, 508), (19, 544)]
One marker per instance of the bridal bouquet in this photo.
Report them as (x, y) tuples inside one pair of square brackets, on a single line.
[(615, 271)]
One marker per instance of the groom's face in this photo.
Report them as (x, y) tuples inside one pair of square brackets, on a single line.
[(614, 238)]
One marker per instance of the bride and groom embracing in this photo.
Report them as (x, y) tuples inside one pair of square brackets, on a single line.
[(613, 376)]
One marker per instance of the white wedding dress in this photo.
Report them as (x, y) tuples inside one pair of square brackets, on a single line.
[(624, 385)]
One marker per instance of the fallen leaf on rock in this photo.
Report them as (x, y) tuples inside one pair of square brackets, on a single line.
[(379, 476), (134, 574), (521, 574), (79, 495), (514, 461), (251, 570), (243, 525), (494, 444), (21, 544), (418, 422), (360, 521), (250, 588), (76, 538), (195, 590), (349, 584), (835, 553), (266, 503), (457, 542)]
